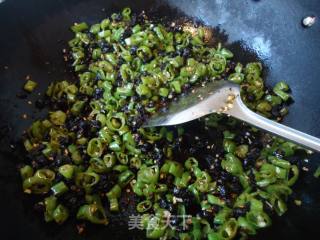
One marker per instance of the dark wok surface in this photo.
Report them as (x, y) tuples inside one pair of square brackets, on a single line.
[(34, 32)]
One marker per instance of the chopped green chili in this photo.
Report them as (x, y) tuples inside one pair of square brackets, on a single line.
[(30, 85), (92, 145)]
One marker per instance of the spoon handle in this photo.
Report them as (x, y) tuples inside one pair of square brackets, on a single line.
[(241, 112)]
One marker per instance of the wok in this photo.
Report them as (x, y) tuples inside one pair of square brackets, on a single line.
[(32, 34)]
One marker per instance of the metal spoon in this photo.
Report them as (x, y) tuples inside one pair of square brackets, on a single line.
[(224, 97)]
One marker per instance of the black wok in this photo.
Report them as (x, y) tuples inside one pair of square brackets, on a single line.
[(32, 34)]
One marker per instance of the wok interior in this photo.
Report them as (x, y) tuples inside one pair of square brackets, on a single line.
[(34, 33)]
